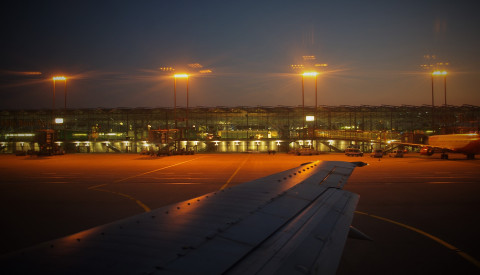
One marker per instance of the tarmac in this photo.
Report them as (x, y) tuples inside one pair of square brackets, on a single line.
[(421, 212)]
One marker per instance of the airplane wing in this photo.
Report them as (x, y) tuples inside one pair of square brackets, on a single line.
[(293, 222)]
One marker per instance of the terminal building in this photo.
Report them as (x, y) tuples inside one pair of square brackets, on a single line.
[(229, 129)]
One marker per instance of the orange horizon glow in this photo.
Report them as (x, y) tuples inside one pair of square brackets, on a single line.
[(310, 74), (180, 75)]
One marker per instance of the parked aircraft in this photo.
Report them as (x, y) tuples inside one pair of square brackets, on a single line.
[(468, 144)]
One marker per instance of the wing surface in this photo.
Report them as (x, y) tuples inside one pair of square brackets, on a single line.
[(293, 222)]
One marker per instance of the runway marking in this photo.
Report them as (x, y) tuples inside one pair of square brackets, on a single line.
[(234, 173), (464, 255), (442, 182), (56, 177), (177, 178), (182, 183), (138, 202), (141, 204), (95, 186), (176, 164)]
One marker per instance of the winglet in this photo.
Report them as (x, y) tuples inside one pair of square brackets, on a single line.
[(359, 235), (359, 163)]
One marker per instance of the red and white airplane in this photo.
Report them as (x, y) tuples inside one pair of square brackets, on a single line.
[(468, 144)]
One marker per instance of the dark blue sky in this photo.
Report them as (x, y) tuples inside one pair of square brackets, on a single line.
[(112, 52)]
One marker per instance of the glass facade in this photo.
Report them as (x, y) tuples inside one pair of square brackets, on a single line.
[(230, 129)]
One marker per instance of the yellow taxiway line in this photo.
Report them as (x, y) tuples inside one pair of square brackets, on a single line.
[(234, 173), (464, 255)]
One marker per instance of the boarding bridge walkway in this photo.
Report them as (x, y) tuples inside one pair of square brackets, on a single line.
[(358, 136), (333, 148), (115, 149)]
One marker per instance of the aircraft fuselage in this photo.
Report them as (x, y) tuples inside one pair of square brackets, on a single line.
[(468, 144)]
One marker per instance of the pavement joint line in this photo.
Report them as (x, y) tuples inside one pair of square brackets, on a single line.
[(461, 253), (166, 167), (138, 202), (235, 173), (96, 186)]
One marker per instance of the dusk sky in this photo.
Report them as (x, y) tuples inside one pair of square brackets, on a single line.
[(113, 52)]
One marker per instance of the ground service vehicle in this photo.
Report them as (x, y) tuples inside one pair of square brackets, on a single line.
[(378, 153), (353, 152), (396, 154), (306, 152)]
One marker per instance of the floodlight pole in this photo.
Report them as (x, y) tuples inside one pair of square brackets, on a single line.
[(445, 88), (65, 92), (175, 101), (53, 105), (445, 95), (303, 108), (315, 113), (433, 108), (186, 122)]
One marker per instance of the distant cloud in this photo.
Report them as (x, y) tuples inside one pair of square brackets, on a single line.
[(20, 73)]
